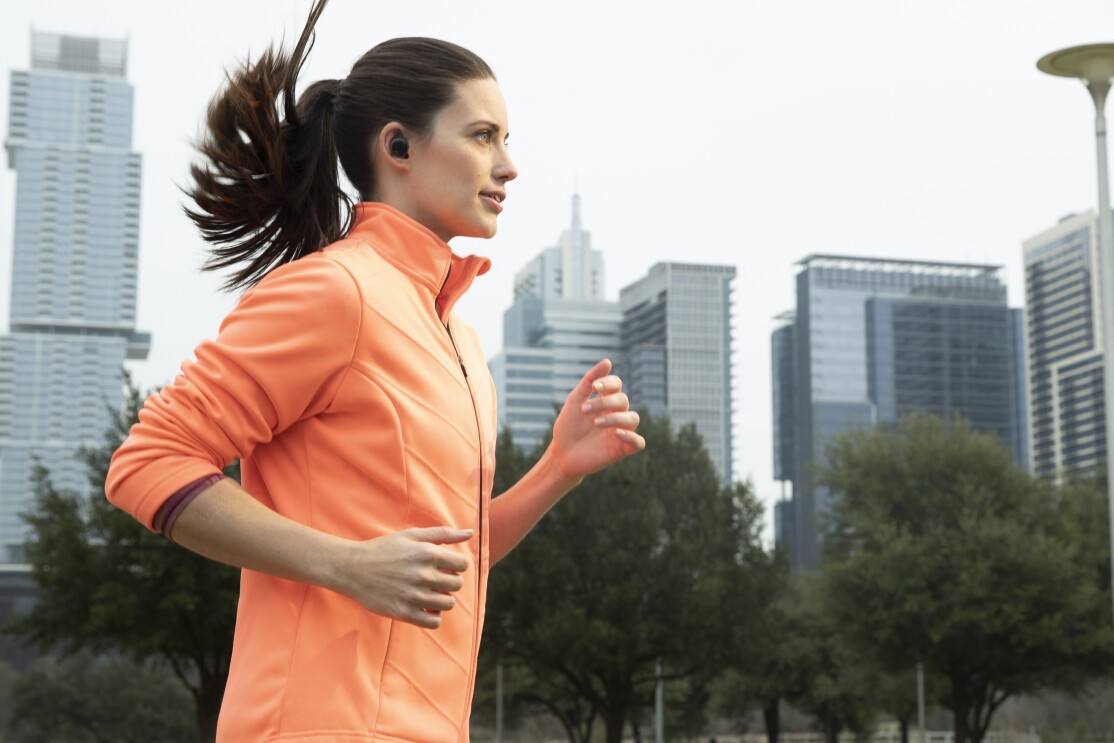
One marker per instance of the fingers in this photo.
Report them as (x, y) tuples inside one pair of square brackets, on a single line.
[(628, 419), (435, 602), (606, 404), (631, 441), (588, 382), (440, 534)]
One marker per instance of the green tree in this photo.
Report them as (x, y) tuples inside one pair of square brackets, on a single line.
[(108, 585), (114, 700), (942, 551), (636, 566), (771, 658)]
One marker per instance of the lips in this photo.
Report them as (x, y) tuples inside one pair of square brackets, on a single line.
[(495, 198)]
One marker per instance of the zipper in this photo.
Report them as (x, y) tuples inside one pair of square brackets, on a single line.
[(460, 360), (480, 525)]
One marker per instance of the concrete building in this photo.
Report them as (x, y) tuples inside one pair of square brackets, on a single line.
[(74, 265), (872, 340), (676, 350), (558, 327), (1064, 340)]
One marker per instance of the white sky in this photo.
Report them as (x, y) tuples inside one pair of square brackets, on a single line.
[(750, 133)]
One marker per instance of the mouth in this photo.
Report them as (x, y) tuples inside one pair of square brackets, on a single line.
[(495, 198)]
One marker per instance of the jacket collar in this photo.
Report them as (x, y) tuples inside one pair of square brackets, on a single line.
[(416, 251)]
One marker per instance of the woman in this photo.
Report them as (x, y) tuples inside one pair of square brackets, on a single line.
[(360, 405)]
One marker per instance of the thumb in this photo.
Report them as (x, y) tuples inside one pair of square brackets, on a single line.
[(440, 535)]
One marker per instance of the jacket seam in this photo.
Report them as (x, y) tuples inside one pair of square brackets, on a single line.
[(356, 336), (382, 673), (290, 663)]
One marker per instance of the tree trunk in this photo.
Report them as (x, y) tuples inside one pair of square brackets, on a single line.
[(578, 730), (773, 723), (903, 725), (614, 722), (960, 709), (208, 709), (831, 729)]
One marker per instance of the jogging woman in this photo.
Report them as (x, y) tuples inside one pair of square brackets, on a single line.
[(359, 404)]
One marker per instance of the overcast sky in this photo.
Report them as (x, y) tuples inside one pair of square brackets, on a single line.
[(747, 133)]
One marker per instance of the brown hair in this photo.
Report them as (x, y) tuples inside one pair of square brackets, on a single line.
[(267, 191)]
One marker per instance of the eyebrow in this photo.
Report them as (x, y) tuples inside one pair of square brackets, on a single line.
[(486, 122)]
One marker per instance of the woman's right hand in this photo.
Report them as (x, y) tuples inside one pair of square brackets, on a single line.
[(408, 575)]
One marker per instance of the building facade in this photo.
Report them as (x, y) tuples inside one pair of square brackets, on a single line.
[(676, 350), (74, 265), (557, 329), (1064, 341), (872, 340)]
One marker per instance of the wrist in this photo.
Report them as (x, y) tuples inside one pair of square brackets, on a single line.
[(554, 474), (330, 564)]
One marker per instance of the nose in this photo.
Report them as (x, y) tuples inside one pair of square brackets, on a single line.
[(505, 170)]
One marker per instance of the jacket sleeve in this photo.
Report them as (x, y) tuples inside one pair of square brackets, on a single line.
[(280, 357)]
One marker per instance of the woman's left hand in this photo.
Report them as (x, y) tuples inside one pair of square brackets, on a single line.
[(595, 427)]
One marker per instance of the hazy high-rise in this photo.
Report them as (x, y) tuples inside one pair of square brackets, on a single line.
[(676, 350), (1064, 340), (74, 264)]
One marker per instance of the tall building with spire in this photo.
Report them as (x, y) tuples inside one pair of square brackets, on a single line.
[(74, 265), (558, 327)]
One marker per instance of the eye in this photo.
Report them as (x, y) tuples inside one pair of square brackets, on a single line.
[(484, 135)]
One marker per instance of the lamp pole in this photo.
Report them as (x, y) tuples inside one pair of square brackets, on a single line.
[(1094, 65)]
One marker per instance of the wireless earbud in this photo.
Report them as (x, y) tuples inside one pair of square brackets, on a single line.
[(399, 147)]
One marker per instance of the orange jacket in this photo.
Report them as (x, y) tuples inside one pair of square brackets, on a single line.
[(337, 384)]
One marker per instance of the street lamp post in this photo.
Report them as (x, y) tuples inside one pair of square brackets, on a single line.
[(1094, 65)]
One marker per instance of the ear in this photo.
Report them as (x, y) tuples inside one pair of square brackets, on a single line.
[(382, 152)]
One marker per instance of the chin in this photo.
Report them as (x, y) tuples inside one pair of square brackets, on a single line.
[(484, 231)]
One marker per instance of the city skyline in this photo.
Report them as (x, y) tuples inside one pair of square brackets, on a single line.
[(753, 165)]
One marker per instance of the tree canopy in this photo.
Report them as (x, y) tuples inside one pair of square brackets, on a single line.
[(649, 560), (942, 551), (108, 584)]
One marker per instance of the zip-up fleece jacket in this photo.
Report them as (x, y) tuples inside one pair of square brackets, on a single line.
[(360, 405)]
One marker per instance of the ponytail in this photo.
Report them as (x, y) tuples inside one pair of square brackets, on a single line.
[(267, 190)]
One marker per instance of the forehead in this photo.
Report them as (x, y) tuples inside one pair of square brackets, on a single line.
[(476, 100)]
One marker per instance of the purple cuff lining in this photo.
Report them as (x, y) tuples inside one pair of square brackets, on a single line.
[(170, 510)]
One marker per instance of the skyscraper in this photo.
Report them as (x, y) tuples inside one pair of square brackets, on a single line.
[(875, 339), (676, 350), (1063, 332), (74, 264), (558, 327), (783, 379)]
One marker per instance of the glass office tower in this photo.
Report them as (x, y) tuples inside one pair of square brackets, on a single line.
[(874, 339), (74, 265)]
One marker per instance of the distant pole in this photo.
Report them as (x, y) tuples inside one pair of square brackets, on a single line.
[(499, 702), (1094, 65), (920, 703), (659, 712)]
